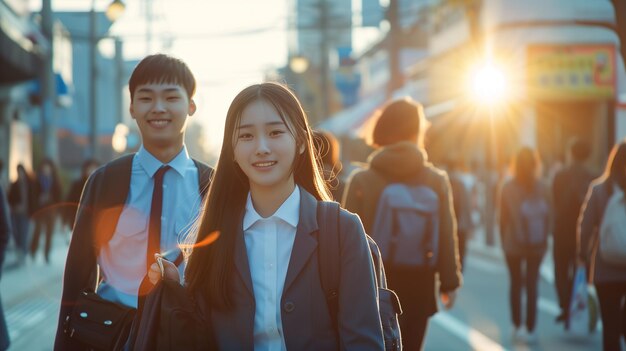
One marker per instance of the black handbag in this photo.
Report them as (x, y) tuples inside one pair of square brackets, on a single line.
[(99, 323), (170, 318)]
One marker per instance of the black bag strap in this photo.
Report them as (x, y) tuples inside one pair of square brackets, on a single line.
[(328, 255)]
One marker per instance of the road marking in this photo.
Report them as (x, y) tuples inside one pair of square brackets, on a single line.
[(25, 315), (547, 272), (548, 306), (476, 339)]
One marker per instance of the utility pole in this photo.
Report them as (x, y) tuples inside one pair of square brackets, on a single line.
[(324, 52), (48, 88), (620, 19), (394, 43), (119, 78), (93, 77)]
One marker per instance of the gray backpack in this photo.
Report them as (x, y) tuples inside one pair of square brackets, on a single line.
[(406, 227), (534, 212)]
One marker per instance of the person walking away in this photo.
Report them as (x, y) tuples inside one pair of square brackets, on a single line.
[(21, 203), (399, 171), (327, 148), (5, 234), (601, 233), (76, 188), (48, 196), (261, 277), (568, 191), (139, 204), (525, 217)]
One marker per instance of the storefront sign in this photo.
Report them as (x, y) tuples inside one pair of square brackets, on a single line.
[(571, 72)]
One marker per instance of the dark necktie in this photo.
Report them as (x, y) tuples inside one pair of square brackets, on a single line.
[(156, 210)]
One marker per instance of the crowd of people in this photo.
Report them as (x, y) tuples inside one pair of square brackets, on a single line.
[(239, 239), (38, 199)]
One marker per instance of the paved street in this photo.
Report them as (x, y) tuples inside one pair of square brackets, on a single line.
[(31, 296), (481, 318), (479, 321)]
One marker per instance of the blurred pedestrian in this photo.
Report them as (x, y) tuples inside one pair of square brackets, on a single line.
[(462, 206), (2, 183), (400, 158), (76, 189), (138, 204), (327, 147), (524, 226), (569, 188), (5, 233), (606, 194), (48, 196), (21, 202)]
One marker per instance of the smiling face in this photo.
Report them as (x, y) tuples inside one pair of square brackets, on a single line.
[(265, 149), (161, 111)]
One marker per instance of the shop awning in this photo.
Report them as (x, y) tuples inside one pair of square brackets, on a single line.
[(352, 120)]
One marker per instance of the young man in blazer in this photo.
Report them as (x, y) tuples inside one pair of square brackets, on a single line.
[(113, 221)]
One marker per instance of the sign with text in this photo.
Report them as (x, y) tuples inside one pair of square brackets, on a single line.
[(571, 72)]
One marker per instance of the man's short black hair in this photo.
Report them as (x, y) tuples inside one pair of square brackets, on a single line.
[(580, 150), (161, 68)]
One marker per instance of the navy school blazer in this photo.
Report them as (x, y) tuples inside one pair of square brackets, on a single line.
[(101, 204), (305, 315)]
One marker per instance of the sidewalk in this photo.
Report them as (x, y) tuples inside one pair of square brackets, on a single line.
[(21, 282), (477, 245)]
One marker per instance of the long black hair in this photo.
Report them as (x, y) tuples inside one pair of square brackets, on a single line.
[(211, 267)]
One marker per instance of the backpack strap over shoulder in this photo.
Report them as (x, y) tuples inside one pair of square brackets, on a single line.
[(204, 177), (329, 263), (111, 194)]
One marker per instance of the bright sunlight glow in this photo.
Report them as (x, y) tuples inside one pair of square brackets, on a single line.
[(488, 84)]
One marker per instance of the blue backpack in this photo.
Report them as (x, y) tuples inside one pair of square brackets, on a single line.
[(534, 212), (406, 227)]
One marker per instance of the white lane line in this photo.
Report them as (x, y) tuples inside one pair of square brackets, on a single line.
[(548, 306), (547, 272), (476, 339), (25, 315)]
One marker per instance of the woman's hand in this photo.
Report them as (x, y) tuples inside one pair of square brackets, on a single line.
[(448, 299), (170, 272)]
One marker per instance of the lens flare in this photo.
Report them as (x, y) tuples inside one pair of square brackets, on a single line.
[(488, 84), (204, 242)]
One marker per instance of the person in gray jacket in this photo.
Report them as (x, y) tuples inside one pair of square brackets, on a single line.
[(525, 214), (609, 279), (569, 187), (400, 157)]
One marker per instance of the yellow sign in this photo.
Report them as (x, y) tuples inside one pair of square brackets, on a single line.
[(571, 72)]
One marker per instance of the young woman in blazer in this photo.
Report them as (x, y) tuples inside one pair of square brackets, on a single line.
[(609, 279), (519, 249), (260, 277)]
